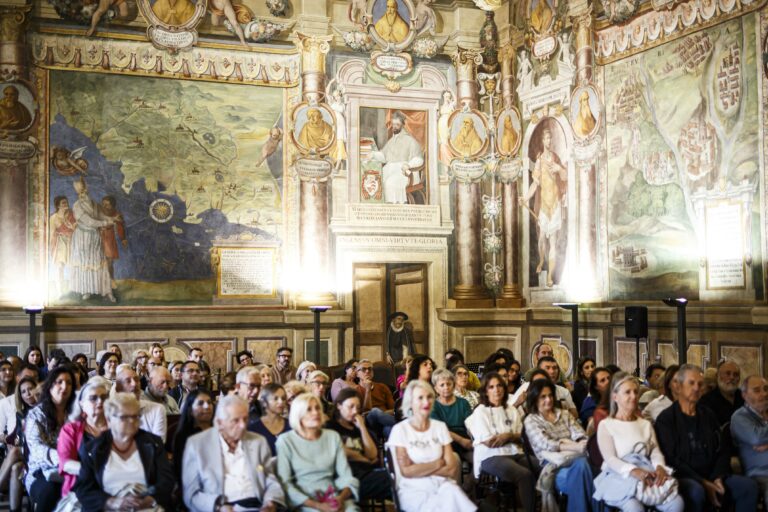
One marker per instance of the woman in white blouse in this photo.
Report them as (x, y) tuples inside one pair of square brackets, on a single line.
[(427, 467), (495, 426), (620, 435)]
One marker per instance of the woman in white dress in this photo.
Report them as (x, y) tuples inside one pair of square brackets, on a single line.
[(427, 467), (619, 437)]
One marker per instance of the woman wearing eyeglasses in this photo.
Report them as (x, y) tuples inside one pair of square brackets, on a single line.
[(41, 431), (124, 468), (87, 422)]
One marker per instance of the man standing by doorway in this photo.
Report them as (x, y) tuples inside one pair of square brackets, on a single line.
[(399, 338)]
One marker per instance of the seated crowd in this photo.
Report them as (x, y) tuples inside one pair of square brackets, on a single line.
[(147, 434)]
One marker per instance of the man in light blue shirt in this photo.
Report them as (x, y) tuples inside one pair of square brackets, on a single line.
[(749, 429)]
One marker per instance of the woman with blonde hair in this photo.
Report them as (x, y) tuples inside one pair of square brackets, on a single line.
[(427, 467), (311, 462), (304, 370)]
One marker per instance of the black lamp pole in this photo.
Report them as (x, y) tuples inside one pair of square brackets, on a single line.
[(317, 310), (574, 308), (33, 311), (682, 338)]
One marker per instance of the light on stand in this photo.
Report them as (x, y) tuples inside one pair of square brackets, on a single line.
[(317, 310), (574, 309), (33, 311), (682, 341)]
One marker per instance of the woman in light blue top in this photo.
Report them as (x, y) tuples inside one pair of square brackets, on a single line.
[(311, 462)]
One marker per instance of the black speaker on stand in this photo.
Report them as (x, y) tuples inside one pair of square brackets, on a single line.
[(636, 326)]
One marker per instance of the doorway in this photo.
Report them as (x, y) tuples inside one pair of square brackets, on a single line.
[(380, 289)]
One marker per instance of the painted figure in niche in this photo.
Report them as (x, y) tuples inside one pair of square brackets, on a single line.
[(549, 187), (277, 7), (173, 12), (585, 121), (525, 72), (269, 147), (101, 10), (90, 275), (402, 157), (61, 226), (69, 163), (399, 338), (443, 128), (339, 107), (356, 11), (541, 17), (235, 14), (426, 19), (467, 142), (14, 115), (110, 234), (509, 137), (316, 132), (391, 26)]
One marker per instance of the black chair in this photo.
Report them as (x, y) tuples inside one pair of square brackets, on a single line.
[(389, 460)]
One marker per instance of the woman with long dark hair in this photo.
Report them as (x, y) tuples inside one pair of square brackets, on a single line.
[(421, 368), (34, 356), (347, 380), (7, 379), (108, 366), (274, 406), (584, 369), (41, 432), (13, 467), (196, 416)]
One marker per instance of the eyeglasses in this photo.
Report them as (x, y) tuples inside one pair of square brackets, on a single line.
[(365, 369), (95, 398), (128, 417), (284, 355)]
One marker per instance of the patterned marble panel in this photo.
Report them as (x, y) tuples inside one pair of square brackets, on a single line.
[(748, 357), (264, 349), (217, 352)]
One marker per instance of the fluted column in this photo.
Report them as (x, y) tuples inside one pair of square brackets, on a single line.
[(16, 150), (313, 189), (584, 51), (466, 62)]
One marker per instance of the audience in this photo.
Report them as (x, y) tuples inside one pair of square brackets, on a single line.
[(584, 369), (515, 377), (13, 466), (625, 466), (454, 357), (108, 366), (125, 468), (692, 442), (174, 367), (282, 371), (7, 379), (247, 387), (158, 385), (34, 356), (749, 431), (400, 382), (559, 443), (453, 411), (461, 373), (654, 379), (311, 462), (190, 381), (496, 426), (8, 404), (347, 380), (237, 472), (196, 416), (244, 358), (115, 349), (377, 401), (598, 398), (41, 433), (157, 354), (657, 405), (303, 371), (274, 406), (726, 397), (293, 388), (86, 422), (563, 396), (152, 417), (265, 374), (318, 386), (427, 468), (359, 446), (227, 384)]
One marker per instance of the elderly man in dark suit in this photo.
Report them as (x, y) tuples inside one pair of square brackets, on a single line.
[(227, 466)]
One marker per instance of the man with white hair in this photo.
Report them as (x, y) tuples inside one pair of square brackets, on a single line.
[(726, 397), (158, 384), (749, 430), (228, 468), (401, 157), (151, 415), (247, 387)]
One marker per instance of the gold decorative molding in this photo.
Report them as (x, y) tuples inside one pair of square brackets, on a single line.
[(53, 51)]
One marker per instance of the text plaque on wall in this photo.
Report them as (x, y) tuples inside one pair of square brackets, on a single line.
[(247, 275), (725, 246)]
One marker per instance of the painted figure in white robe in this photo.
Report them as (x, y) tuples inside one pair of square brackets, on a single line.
[(402, 155), (90, 274)]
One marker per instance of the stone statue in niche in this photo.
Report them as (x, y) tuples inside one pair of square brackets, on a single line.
[(426, 19), (565, 48), (277, 7), (525, 72), (443, 129), (339, 107)]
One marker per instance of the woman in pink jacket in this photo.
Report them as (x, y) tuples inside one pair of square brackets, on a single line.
[(87, 422)]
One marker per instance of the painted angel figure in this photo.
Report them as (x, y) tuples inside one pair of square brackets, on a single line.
[(565, 48), (426, 19), (101, 10), (234, 14), (525, 73), (339, 107)]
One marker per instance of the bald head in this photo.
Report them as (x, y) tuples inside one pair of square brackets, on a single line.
[(754, 390), (128, 382), (160, 381)]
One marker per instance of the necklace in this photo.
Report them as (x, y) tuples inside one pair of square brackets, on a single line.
[(507, 421)]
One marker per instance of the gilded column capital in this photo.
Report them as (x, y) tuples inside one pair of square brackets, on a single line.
[(13, 19), (313, 50), (466, 62), (583, 25)]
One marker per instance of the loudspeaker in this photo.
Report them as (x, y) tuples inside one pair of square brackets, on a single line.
[(636, 321)]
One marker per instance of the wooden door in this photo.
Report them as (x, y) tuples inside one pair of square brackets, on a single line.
[(408, 292), (370, 308)]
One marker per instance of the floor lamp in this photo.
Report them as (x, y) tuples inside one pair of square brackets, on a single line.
[(33, 311), (318, 310), (682, 341), (574, 309)]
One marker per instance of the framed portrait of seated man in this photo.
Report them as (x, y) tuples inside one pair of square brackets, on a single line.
[(394, 156)]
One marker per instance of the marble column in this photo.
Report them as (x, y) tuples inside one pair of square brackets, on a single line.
[(469, 291), (14, 172), (314, 244), (584, 51)]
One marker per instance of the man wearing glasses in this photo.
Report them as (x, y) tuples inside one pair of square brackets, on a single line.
[(190, 381), (378, 401), (247, 387), (152, 415), (282, 371)]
